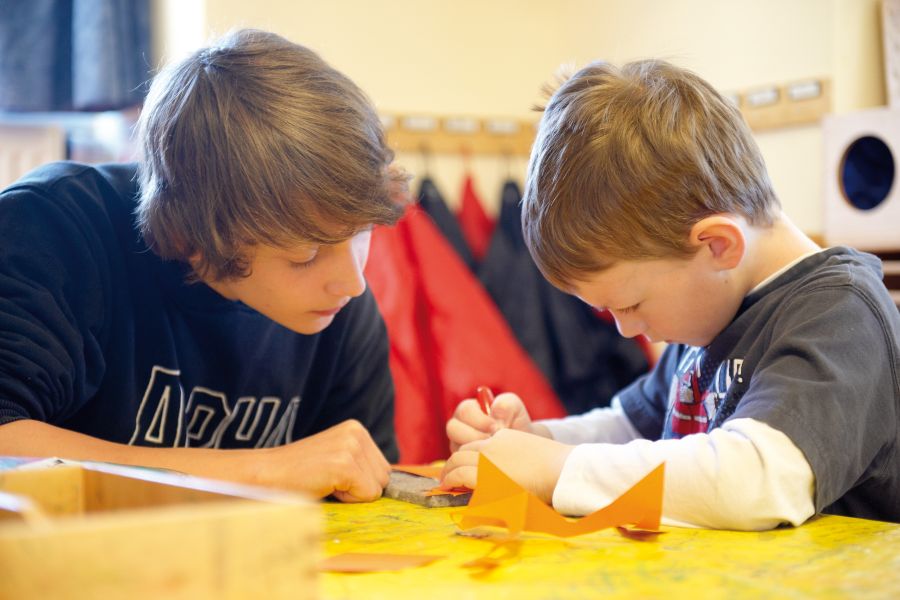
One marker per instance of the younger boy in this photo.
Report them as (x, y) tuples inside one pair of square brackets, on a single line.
[(212, 296), (778, 394)]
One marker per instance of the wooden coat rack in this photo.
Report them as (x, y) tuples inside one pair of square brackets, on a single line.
[(768, 107), (451, 135)]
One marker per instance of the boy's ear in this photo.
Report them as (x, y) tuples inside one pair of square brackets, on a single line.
[(195, 259), (722, 237)]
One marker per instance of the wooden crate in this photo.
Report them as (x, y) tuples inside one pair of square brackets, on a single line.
[(93, 530)]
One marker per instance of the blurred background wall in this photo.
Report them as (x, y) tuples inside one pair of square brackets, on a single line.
[(489, 58)]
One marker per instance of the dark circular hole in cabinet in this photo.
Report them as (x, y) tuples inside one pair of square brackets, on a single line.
[(867, 172)]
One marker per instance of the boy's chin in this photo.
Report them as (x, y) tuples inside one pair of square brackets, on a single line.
[(698, 341), (310, 326)]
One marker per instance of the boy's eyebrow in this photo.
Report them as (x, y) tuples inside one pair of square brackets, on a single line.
[(314, 246), (338, 236), (602, 308), (304, 252), (300, 248)]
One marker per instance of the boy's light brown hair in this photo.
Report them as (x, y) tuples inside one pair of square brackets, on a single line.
[(627, 160), (255, 140)]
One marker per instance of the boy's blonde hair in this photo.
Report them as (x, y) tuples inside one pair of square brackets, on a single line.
[(627, 160), (257, 140)]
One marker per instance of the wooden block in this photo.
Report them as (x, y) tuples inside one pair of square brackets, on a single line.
[(120, 532), (413, 488)]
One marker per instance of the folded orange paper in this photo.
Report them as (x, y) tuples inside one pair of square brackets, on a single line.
[(501, 502)]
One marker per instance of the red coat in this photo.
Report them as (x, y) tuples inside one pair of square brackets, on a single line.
[(447, 336), (477, 227)]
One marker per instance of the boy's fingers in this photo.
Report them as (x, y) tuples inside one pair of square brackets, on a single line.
[(469, 423), (363, 485), (460, 434), (470, 412), (373, 466), (472, 448), (461, 469), (363, 469), (465, 476), (356, 485), (355, 496), (506, 409), (378, 467), (467, 456)]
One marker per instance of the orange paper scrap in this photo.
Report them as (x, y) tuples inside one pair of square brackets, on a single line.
[(501, 502), (434, 472), (362, 562), (638, 535), (439, 491)]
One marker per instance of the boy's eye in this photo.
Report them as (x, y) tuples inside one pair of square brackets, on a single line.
[(302, 264), (302, 258), (628, 309)]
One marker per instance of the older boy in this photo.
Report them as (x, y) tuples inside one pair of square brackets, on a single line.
[(211, 297), (778, 395)]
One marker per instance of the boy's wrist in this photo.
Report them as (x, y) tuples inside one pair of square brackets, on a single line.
[(555, 461), (539, 475), (541, 430)]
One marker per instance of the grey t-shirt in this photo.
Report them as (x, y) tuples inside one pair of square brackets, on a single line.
[(815, 354)]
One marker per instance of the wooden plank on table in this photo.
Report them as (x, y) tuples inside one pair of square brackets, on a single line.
[(414, 489)]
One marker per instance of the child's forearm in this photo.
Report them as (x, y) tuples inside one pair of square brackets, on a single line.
[(342, 460), (35, 438), (744, 476), (601, 425)]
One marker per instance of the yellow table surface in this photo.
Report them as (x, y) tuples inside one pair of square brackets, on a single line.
[(828, 557)]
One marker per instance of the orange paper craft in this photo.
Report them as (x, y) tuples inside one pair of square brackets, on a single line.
[(363, 562), (501, 502)]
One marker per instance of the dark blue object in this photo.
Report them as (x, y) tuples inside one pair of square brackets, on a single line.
[(867, 173), (431, 200), (62, 55)]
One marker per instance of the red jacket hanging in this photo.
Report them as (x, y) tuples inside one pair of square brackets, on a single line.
[(477, 227), (447, 336)]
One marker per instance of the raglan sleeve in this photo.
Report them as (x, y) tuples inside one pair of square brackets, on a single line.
[(827, 381), (364, 388), (51, 307)]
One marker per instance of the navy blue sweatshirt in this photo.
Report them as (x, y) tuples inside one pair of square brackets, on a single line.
[(99, 335)]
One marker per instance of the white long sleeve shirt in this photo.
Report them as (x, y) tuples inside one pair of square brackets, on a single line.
[(744, 475)]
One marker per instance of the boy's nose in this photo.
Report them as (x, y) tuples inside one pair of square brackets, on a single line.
[(348, 279), (629, 328)]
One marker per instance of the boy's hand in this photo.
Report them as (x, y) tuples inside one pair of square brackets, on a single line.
[(470, 423), (342, 460), (532, 461)]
